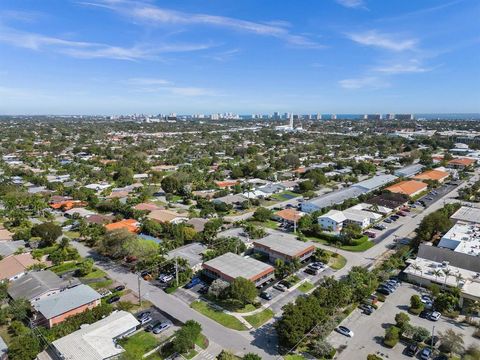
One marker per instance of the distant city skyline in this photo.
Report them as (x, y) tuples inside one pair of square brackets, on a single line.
[(332, 56)]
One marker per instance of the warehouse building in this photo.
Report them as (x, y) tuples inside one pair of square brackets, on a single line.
[(284, 248)]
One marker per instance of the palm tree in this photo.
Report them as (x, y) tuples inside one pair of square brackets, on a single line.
[(459, 278), (416, 268), (437, 273), (447, 273)]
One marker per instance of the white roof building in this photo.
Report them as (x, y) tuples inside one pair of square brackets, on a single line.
[(97, 341), (462, 238)]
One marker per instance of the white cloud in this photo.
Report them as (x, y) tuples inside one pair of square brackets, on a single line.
[(372, 82), (351, 3), (191, 91), (385, 41), (155, 15), (91, 50), (412, 67), (157, 85), (148, 81)]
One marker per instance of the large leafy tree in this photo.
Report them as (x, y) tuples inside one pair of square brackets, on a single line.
[(242, 290)]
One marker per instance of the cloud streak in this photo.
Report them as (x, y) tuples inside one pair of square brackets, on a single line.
[(383, 40), (161, 16), (372, 82), (353, 4), (156, 85), (92, 50)]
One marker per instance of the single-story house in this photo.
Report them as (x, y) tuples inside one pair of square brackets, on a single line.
[(37, 285), (192, 253), (197, 223), (230, 199), (15, 266), (5, 234), (131, 225), (100, 219), (147, 207), (55, 309), (97, 341), (80, 212), (167, 216), (460, 163), (290, 216), (8, 248)]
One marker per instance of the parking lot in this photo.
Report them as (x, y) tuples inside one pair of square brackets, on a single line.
[(369, 329), (158, 317)]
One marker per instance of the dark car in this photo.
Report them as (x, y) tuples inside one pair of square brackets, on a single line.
[(203, 290), (311, 271), (388, 221), (265, 295), (119, 288), (286, 284), (193, 282), (411, 349), (151, 326), (144, 314), (113, 299), (383, 291), (425, 314)]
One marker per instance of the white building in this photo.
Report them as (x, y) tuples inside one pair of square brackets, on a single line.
[(332, 221)]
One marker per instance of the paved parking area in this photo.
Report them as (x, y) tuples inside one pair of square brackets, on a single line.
[(157, 316), (369, 329)]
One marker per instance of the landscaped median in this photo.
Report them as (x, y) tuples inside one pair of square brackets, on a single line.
[(306, 287), (260, 318), (217, 315)]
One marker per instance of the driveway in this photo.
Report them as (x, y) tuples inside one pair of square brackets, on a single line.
[(370, 329)]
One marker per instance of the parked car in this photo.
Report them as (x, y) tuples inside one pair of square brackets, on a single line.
[(143, 314), (435, 316), (384, 291), (113, 299), (165, 278), (119, 288), (280, 287), (203, 290), (344, 331), (401, 213), (425, 299), (367, 309), (193, 282), (370, 234), (411, 349), (426, 354), (425, 314), (145, 320), (380, 227), (146, 275), (285, 283), (152, 325), (266, 295), (159, 328), (311, 271), (395, 217), (388, 220)]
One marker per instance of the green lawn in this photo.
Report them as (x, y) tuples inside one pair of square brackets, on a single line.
[(139, 344), (281, 196), (306, 287), (358, 248), (338, 262), (226, 320), (268, 224), (191, 354), (72, 234), (101, 284), (202, 341), (317, 240), (260, 318), (294, 357), (66, 266), (95, 274), (154, 356)]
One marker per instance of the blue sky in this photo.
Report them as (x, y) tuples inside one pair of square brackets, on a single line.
[(244, 56)]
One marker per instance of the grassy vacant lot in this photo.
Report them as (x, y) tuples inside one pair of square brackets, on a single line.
[(306, 287), (260, 318), (226, 320), (139, 344), (358, 248), (268, 224), (66, 266), (337, 262)]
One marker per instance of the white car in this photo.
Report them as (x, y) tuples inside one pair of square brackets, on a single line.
[(435, 316), (280, 287), (165, 278), (344, 331)]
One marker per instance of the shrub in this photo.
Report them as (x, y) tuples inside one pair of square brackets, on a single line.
[(392, 336)]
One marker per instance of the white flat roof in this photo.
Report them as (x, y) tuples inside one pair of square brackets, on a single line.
[(97, 341), (463, 238), (466, 213)]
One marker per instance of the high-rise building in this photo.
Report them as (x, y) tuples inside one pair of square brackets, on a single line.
[(404, 117), (372, 117)]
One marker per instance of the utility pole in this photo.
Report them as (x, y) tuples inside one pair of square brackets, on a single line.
[(139, 291)]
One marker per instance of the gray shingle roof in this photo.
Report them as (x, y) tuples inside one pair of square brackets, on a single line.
[(234, 266), (65, 301), (35, 284)]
